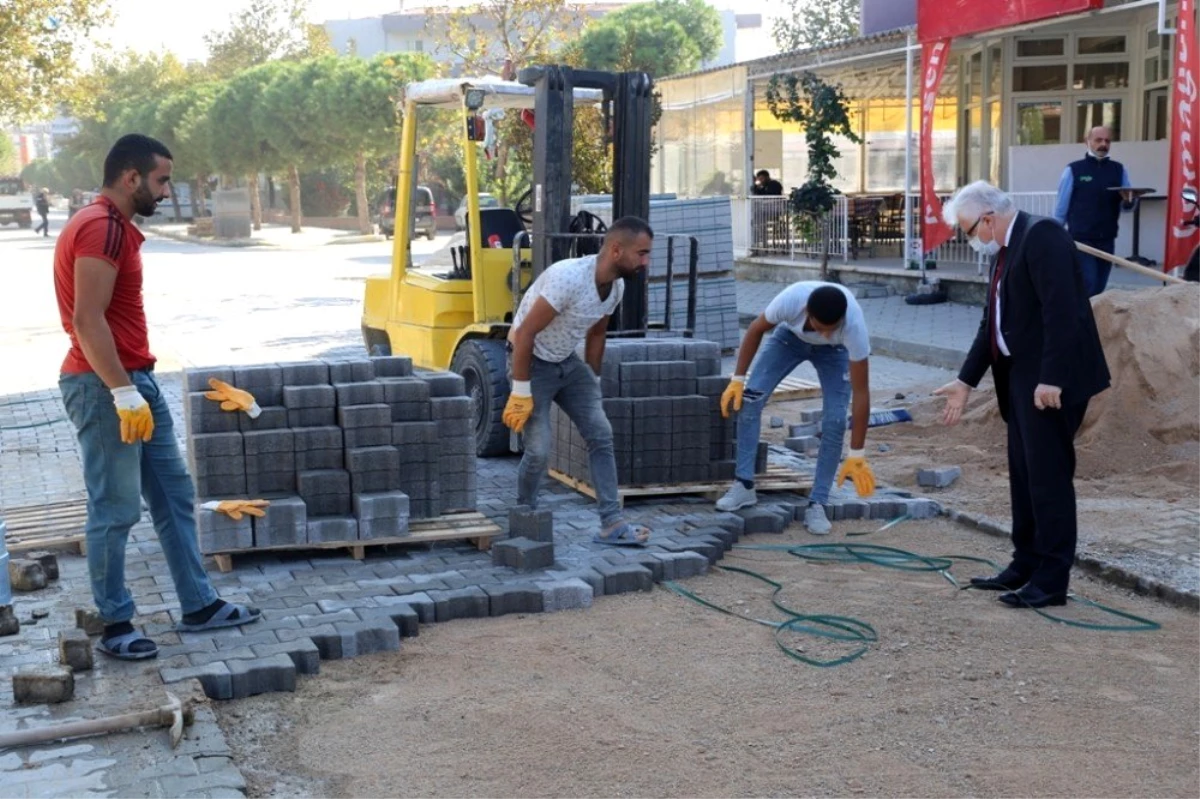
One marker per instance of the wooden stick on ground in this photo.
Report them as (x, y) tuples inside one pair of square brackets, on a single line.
[(1119, 261)]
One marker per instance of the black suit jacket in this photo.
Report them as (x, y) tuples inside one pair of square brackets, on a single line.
[(1045, 316)]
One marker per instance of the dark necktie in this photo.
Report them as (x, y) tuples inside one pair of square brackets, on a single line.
[(995, 317)]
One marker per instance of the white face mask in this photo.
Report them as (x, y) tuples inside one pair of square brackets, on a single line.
[(989, 249), (1097, 155)]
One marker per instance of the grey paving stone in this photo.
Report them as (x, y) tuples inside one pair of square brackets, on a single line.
[(514, 598), (682, 565), (42, 685), (526, 522), (368, 637), (214, 677), (761, 520), (75, 650), (570, 594), (303, 652), (421, 603), (621, 579), (402, 615), (939, 477), (462, 603)]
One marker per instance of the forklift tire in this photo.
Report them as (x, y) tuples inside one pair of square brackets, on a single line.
[(482, 364), (376, 342)]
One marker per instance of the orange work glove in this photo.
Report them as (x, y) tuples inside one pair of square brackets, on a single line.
[(232, 399), (732, 396), (519, 407), (234, 508), (137, 422), (856, 468)]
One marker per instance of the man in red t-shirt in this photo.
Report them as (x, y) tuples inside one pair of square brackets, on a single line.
[(126, 437)]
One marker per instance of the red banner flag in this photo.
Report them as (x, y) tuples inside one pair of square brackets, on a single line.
[(1181, 236), (934, 231)]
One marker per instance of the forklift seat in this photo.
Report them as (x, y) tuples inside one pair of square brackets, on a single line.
[(502, 222)]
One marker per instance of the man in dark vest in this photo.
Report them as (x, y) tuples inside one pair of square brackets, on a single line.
[(1089, 207)]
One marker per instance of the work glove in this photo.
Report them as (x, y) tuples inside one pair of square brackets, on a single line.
[(733, 394), (137, 422), (519, 407), (234, 508), (856, 468), (232, 399)]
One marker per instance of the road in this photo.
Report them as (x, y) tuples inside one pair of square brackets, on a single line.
[(205, 305)]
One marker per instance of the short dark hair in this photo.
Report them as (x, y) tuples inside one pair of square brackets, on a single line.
[(827, 305), (762, 173), (629, 227), (133, 151)]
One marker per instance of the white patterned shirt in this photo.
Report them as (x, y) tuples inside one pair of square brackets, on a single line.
[(570, 288)]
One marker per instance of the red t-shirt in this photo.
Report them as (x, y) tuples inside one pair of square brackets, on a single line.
[(101, 231)]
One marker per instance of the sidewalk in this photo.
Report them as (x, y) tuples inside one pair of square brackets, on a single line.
[(271, 235)]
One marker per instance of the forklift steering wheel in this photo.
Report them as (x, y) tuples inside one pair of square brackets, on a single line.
[(524, 207)]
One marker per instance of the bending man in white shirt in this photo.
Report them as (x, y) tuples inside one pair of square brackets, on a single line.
[(570, 303), (822, 323)]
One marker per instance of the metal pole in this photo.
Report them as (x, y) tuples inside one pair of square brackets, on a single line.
[(908, 104)]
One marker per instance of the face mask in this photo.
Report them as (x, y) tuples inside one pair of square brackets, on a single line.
[(989, 249), (1097, 155)]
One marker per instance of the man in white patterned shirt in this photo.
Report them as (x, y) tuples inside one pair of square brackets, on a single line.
[(570, 303)]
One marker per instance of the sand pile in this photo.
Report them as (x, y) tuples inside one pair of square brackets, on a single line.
[(1151, 414)]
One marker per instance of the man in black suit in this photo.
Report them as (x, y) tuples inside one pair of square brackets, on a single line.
[(1039, 338)]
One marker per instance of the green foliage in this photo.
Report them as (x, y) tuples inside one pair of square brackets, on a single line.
[(487, 35), (8, 156), (42, 173), (237, 146), (323, 193), (661, 38), (39, 40), (822, 111), (813, 23), (266, 30)]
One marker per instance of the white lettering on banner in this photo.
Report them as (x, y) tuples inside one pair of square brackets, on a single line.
[(1182, 168), (934, 231)]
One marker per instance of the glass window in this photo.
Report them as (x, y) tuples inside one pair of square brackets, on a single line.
[(1039, 123), (974, 143), (994, 144), (1037, 48), (996, 59), (975, 77), (1152, 39), (1093, 113), (1156, 115), (1102, 76), (1152, 69), (1050, 78), (1099, 45)]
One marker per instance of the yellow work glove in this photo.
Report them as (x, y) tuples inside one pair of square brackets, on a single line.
[(234, 508), (733, 394), (856, 468), (232, 399), (519, 407), (137, 422)]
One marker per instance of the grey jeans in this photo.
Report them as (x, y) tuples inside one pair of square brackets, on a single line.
[(573, 385)]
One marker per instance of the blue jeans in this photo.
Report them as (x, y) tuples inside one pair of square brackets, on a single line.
[(574, 386), (781, 353), (117, 476), (1096, 270)]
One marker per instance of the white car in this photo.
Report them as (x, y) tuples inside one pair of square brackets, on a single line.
[(460, 213)]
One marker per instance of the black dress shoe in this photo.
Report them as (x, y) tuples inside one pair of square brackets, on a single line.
[(1031, 596), (1007, 580)]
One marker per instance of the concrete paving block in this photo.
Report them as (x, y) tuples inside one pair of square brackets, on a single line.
[(392, 366), (407, 389), (353, 394), (421, 603), (760, 520), (214, 678), (370, 529), (407, 434), (26, 575), (324, 637), (451, 408), (924, 508), (368, 637), (75, 650), (682, 565), (803, 430), (197, 379), (273, 417), (318, 438), (385, 504), (88, 620), (402, 615), (9, 623), (653, 564), (304, 373), (805, 445), (534, 524), (43, 685), (811, 416), (262, 675), (216, 445), (297, 398), (220, 486), (507, 598), (372, 459), (462, 603), (363, 437), (268, 442), (357, 370), (332, 529), (939, 477), (312, 417), (220, 533), (570, 594), (318, 459), (624, 578), (323, 481), (727, 537), (48, 561), (444, 384), (372, 415)]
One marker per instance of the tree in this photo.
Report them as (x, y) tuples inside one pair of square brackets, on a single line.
[(812, 23), (823, 111), (38, 43), (237, 146), (661, 38), (8, 156), (176, 120), (264, 31)]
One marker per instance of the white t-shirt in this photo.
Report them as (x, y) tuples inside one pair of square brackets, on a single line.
[(790, 308), (570, 288)]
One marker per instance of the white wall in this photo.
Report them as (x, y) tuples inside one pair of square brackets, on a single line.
[(367, 35), (1038, 168)]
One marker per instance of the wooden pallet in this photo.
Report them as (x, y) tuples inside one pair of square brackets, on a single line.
[(50, 526), (776, 478), (472, 526), (793, 388)]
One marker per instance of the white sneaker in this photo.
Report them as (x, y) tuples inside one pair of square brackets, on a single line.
[(737, 497), (816, 521)]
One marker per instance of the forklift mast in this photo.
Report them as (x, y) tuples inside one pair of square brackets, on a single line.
[(628, 102)]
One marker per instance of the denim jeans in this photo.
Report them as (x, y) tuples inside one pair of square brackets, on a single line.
[(1096, 270), (781, 353), (573, 385), (117, 476)]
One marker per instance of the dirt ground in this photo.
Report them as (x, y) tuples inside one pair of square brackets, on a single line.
[(653, 695)]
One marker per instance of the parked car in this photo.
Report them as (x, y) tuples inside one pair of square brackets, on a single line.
[(460, 214), (424, 216)]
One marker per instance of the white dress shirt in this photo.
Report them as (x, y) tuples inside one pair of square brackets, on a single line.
[(1001, 344)]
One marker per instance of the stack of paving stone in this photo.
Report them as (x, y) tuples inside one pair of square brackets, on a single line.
[(662, 398), (710, 220), (345, 450)]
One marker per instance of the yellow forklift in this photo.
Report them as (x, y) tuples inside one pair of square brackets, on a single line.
[(456, 316)]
